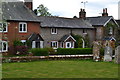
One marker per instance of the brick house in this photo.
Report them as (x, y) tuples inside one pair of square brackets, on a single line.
[(22, 24)]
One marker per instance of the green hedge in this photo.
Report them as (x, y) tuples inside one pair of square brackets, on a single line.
[(39, 51), (74, 51)]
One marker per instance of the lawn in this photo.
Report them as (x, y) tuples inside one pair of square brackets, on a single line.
[(60, 69)]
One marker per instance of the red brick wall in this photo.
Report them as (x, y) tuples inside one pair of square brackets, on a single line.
[(13, 32)]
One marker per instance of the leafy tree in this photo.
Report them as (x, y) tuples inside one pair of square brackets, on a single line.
[(42, 11)]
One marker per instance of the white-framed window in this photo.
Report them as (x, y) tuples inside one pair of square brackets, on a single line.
[(53, 30), (68, 45), (3, 27), (22, 27), (3, 46), (54, 44)]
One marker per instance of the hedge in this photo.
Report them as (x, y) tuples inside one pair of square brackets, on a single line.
[(74, 51), (39, 52)]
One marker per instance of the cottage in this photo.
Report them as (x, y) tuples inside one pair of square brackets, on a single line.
[(20, 23)]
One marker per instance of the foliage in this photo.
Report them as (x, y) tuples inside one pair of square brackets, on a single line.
[(21, 50), (87, 41), (79, 41), (39, 51), (102, 51), (74, 51), (51, 51), (17, 43), (42, 11)]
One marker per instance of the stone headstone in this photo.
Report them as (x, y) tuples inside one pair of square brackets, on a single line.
[(117, 55), (96, 51), (108, 54)]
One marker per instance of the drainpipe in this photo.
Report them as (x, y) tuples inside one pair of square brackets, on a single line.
[(83, 45)]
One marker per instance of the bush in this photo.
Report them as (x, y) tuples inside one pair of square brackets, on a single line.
[(51, 51), (102, 51), (21, 50), (39, 51), (74, 51)]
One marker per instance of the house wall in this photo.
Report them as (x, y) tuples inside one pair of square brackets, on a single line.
[(99, 33), (14, 34), (48, 37)]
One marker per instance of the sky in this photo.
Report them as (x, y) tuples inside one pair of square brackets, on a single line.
[(70, 8)]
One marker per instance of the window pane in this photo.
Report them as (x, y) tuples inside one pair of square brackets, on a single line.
[(24, 27), (4, 46), (20, 27), (1, 26), (4, 26)]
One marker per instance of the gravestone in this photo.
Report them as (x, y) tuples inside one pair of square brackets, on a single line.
[(108, 54), (117, 55), (96, 51)]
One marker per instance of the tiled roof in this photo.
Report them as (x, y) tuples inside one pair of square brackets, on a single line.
[(17, 11), (99, 21), (35, 37), (65, 37), (63, 22)]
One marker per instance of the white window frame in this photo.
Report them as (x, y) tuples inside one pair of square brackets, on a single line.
[(53, 30), (69, 43), (52, 43), (23, 23), (1, 43), (2, 30), (23, 41)]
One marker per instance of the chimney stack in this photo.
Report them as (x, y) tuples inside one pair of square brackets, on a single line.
[(82, 13), (29, 4), (105, 12)]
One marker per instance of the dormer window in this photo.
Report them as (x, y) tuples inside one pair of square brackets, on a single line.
[(22, 27), (3, 27), (53, 30)]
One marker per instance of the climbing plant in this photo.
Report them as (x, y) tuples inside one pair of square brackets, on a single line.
[(79, 42)]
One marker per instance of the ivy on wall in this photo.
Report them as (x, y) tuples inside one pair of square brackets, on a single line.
[(79, 42)]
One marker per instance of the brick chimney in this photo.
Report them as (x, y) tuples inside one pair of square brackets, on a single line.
[(105, 12), (82, 13), (29, 4)]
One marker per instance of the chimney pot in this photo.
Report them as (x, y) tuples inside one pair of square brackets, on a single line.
[(82, 13), (29, 4)]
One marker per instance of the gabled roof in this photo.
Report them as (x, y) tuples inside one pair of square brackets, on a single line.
[(17, 11), (63, 22), (66, 37), (35, 37), (110, 39), (100, 21)]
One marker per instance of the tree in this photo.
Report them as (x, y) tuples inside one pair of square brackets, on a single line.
[(42, 11)]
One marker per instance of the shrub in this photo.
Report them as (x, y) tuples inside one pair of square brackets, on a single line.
[(39, 51), (51, 51), (74, 51), (21, 50), (102, 51)]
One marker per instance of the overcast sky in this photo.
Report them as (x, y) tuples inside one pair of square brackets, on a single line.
[(70, 8)]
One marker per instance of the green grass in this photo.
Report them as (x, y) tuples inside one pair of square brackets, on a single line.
[(60, 69)]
